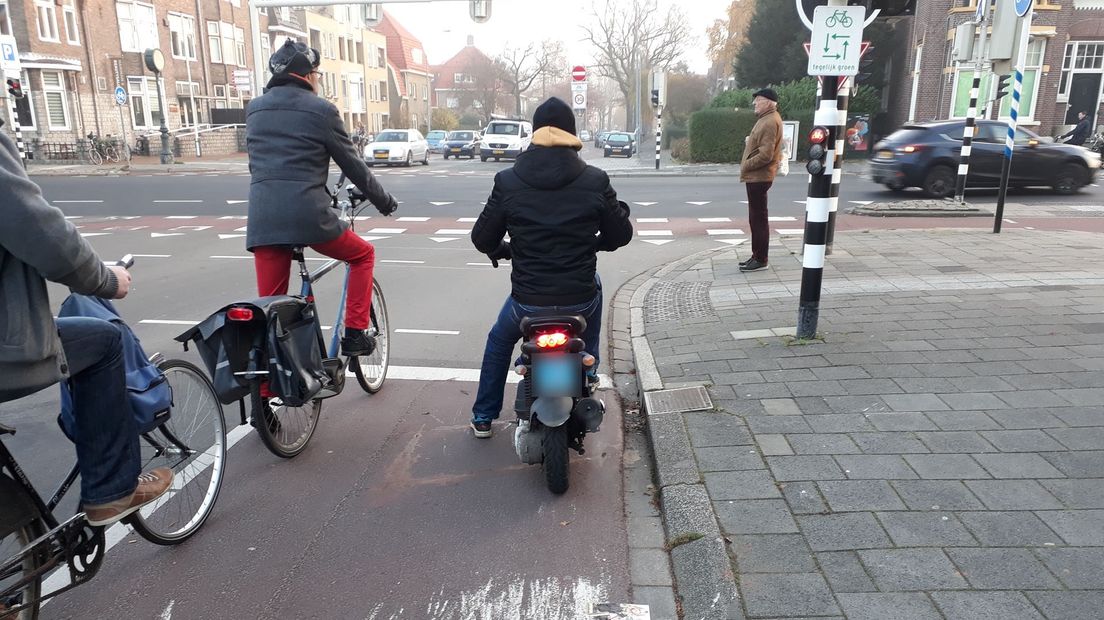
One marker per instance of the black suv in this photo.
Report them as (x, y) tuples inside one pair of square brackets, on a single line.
[(926, 155)]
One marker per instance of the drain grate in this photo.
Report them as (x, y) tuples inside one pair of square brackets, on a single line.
[(677, 400), (675, 301)]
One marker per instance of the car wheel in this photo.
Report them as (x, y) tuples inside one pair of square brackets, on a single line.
[(1069, 180), (483, 159), (497, 160), (425, 160), (445, 156), (369, 164), (939, 182), (409, 160)]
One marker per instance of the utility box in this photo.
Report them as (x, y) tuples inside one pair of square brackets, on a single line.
[(1007, 27), (964, 42)]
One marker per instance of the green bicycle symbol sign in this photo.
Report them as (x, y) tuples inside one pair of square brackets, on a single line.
[(840, 18)]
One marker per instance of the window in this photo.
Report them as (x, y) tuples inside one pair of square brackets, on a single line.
[(220, 96), (213, 42), (137, 26), (462, 78), (182, 36), (227, 34), (239, 45), (46, 18), (72, 35), (266, 53), (416, 55), (1032, 71), (356, 93), (381, 55), (383, 91), (1080, 57), (5, 20), (53, 91), (145, 108)]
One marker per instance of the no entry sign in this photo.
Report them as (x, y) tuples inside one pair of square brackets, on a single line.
[(578, 73)]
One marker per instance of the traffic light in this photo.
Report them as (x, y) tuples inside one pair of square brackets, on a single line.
[(1002, 86), (655, 98), (15, 88), (818, 151), (480, 10)]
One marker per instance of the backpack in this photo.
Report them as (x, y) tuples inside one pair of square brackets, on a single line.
[(149, 395)]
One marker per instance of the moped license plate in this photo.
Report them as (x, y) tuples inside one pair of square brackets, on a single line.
[(559, 375)]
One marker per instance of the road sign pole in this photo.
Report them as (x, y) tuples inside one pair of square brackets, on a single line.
[(972, 111), (818, 206), (659, 134), (1014, 113), (843, 97), (23, 155)]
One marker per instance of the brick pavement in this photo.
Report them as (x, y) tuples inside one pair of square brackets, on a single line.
[(939, 453)]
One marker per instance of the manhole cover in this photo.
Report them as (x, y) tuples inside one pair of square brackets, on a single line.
[(675, 301), (677, 400)]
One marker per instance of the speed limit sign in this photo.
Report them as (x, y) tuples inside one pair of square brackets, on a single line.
[(579, 100)]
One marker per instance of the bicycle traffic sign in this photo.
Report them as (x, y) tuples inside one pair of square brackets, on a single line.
[(120, 95), (836, 41)]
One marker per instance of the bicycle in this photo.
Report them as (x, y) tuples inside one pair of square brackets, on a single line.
[(102, 149), (839, 17), (190, 439), (284, 428)]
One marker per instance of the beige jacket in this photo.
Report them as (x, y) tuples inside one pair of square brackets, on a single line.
[(763, 150)]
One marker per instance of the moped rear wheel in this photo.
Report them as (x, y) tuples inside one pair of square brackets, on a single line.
[(556, 459)]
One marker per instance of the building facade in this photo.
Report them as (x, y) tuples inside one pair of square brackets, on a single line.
[(470, 83), (1063, 74), (409, 76), (353, 68)]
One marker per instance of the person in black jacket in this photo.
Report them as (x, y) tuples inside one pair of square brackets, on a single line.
[(1081, 132), (559, 213), (291, 134)]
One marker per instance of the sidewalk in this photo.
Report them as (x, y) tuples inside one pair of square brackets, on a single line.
[(145, 164), (939, 454)]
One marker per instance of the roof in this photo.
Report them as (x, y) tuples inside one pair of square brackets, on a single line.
[(393, 76), (401, 45), (445, 73)]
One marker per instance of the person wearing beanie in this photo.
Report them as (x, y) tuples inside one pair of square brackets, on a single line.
[(37, 244), (291, 136), (762, 154), (559, 213)]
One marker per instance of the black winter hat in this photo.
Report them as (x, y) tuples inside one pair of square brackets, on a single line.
[(554, 113), (294, 57), (766, 93)]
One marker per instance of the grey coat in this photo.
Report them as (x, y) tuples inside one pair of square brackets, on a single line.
[(291, 135), (37, 244)]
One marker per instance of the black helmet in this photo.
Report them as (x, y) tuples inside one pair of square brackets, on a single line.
[(294, 57)]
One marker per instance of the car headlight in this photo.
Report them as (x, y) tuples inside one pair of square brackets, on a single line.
[(1092, 159)]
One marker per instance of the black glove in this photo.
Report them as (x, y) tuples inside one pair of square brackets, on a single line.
[(391, 206), (502, 252)]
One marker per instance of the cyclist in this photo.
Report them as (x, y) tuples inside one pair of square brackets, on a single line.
[(559, 213), (38, 244), (291, 135)]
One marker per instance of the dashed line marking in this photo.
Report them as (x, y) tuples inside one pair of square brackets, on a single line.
[(428, 332), (654, 233), (387, 231), (651, 220), (714, 220), (412, 219), (403, 262), (723, 231), (453, 231)]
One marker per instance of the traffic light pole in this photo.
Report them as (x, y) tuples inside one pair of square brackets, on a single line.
[(659, 134), (843, 97), (818, 207), (17, 130), (972, 111), (1014, 113)]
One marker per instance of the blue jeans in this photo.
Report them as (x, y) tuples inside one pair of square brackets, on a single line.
[(107, 435), (505, 334)]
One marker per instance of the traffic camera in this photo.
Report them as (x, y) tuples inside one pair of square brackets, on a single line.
[(15, 88), (818, 151)]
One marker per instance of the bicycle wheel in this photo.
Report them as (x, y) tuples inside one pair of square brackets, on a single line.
[(192, 442), (95, 157), (19, 525), (111, 155), (371, 370), (284, 430)]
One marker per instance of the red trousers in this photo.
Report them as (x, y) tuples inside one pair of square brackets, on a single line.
[(273, 264)]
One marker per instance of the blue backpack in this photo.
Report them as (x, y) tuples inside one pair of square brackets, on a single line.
[(148, 392)]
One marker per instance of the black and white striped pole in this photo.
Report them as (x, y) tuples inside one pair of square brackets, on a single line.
[(659, 134), (823, 162), (843, 96), (15, 92), (967, 141), (964, 40)]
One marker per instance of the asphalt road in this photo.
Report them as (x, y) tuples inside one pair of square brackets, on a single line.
[(394, 511)]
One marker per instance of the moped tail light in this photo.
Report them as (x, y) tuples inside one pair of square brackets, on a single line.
[(240, 314), (552, 340)]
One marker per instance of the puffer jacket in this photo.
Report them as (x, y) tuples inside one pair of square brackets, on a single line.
[(37, 244), (559, 213)]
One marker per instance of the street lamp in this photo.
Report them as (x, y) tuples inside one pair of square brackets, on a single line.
[(155, 61)]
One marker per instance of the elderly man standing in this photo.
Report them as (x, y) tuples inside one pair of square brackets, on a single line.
[(762, 153)]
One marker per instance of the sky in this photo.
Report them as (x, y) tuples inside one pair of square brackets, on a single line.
[(443, 27)]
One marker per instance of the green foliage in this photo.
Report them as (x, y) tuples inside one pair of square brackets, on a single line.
[(793, 97), (680, 149), (730, 99), (445, 119), (671, 134), (773, 52), (717, 135), (471, 121), (866, 100)]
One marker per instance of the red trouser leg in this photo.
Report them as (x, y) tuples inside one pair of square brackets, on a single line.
[(361, 257), (273, 266)]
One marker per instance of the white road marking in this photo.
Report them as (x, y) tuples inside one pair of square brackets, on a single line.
[(76, 202), (242, 229), (861, 202), (471, 375), (156, 235), (654, 233), (699, 204), (480, 264), (733, 241), (1010, 221), (800, 202), (234, 217), (167, 614), (236, 202), (444, 239), (744, 202), (373, 237), (453, 231), (165, 322), (250, 257), (412, 219), (387, 231), (177, 202), (714, 220), (467, 220), (440, 204), (645, 204), (651, 220), (192, 228), (100, 234), (232, 236), (431, 332), (152, 255), (724, 231), (657, 241), (403, 262), (782, 218), (790, 231), (73, 217)]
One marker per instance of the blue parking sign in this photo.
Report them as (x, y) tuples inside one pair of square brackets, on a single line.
[(1022, 7), (8, 52)]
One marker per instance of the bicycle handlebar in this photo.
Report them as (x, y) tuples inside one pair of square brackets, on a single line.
[(126, 262)]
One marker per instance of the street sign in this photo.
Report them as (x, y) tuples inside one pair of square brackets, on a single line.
[(120, 95), (864, 47), (1022, 7), (578, 87), (836, 43), (578, 73), (242, 73), (9, 54), (578, 101)]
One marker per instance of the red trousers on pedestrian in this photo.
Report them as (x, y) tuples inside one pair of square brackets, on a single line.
[(273, 265)]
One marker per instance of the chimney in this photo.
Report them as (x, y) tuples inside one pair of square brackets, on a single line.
[(471, 40)]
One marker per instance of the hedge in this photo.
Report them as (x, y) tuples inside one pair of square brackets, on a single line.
[(717, 135), (671, 134)]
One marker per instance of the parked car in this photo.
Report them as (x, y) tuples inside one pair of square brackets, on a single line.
[(619, 143), (462, 143), (397, 146), (505, 139), (600, 139), (926, 155), (584, 136), (436, 140)]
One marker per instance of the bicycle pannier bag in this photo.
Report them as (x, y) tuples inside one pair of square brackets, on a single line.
[(295, 370)]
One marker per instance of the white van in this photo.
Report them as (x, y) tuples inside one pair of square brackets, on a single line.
[(505, 139)]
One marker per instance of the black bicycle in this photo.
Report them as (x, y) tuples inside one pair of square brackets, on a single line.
[(190, 440)]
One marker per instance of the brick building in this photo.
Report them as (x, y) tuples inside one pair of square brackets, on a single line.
[(463, 81), (1065, 65), (354, 73), (408, 76)]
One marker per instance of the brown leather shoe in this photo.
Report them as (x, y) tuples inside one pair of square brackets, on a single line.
[(151, 485)]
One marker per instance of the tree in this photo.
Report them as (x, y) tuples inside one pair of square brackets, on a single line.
[(524, 66), (486, 86), (726, 37), (773, 52), (631, 38), (445, 119), (686, 93)]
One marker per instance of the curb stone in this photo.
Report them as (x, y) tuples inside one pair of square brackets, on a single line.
[(704, 582)]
